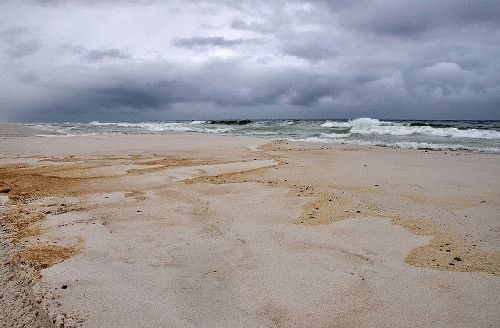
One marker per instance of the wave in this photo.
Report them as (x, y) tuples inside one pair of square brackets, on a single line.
[(406, 145), (161, 127), (476, 136), (97, 123), (425, 130), (369, 126), (334, 124), (366, 122)]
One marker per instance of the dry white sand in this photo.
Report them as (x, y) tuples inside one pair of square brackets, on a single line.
[(201, 231)]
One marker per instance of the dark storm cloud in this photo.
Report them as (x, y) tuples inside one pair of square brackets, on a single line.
[(218, 41), (315, 59), (414, 18), (232, 84), (122, 101), (100, 54), (471, 64), (434, 91), (217, 83), (290, 88), (121, 96), (143, 96), (297, 90)]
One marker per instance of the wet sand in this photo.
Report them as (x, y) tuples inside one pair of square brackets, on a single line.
[(202, 231)]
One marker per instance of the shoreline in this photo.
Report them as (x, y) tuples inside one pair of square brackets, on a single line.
[(215, 230), (20, 130), (457, 136)]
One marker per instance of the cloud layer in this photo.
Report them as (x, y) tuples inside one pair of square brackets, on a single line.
[(115, 60)]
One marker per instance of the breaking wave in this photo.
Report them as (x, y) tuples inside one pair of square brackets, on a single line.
[(475, 136)]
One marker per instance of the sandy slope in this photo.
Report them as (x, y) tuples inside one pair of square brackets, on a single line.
[(197, 231)]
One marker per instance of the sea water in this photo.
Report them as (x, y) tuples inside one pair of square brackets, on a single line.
[(472, 136)]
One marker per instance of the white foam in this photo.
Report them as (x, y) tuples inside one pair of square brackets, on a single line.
[(99, 123), (451, 135), (216, 130), (404, 130), (126, 125), (332, 124), (365, 121), (335, 135), (158, 127)]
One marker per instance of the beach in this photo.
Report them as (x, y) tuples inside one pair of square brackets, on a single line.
[(189, 230)]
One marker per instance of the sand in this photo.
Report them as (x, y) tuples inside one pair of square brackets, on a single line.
[(207, 231)]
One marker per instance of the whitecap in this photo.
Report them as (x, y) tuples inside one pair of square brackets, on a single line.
[(365, 121), (333, 124)]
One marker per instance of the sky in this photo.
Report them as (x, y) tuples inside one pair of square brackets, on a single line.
[(136, 60)]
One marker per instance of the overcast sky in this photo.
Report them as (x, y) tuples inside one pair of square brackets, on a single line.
[(122, 60)]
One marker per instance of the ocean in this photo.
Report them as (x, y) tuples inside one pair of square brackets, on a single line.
[(466, 136)]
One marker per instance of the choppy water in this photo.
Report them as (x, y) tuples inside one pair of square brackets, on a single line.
[(473, 136)]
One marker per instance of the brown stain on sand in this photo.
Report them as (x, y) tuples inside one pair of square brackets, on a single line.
[(252, 175), (277, 316), (42, 257), (329, 207), (448, 252), (77, 176), (453, 203), (24, 183), (25, 218), (445, 252), (27, 182), (32, 182)]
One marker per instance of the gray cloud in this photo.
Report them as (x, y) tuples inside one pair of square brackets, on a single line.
[(98, 54), (91, 3), (19, 43), (413, 19), (218, 83), (449, 80), (29, 77), (312, 52), (76, 50), (23, 48), (122, 96), (13, 34), (434, 91), (218, 41), (314, 59), (261, 28)]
